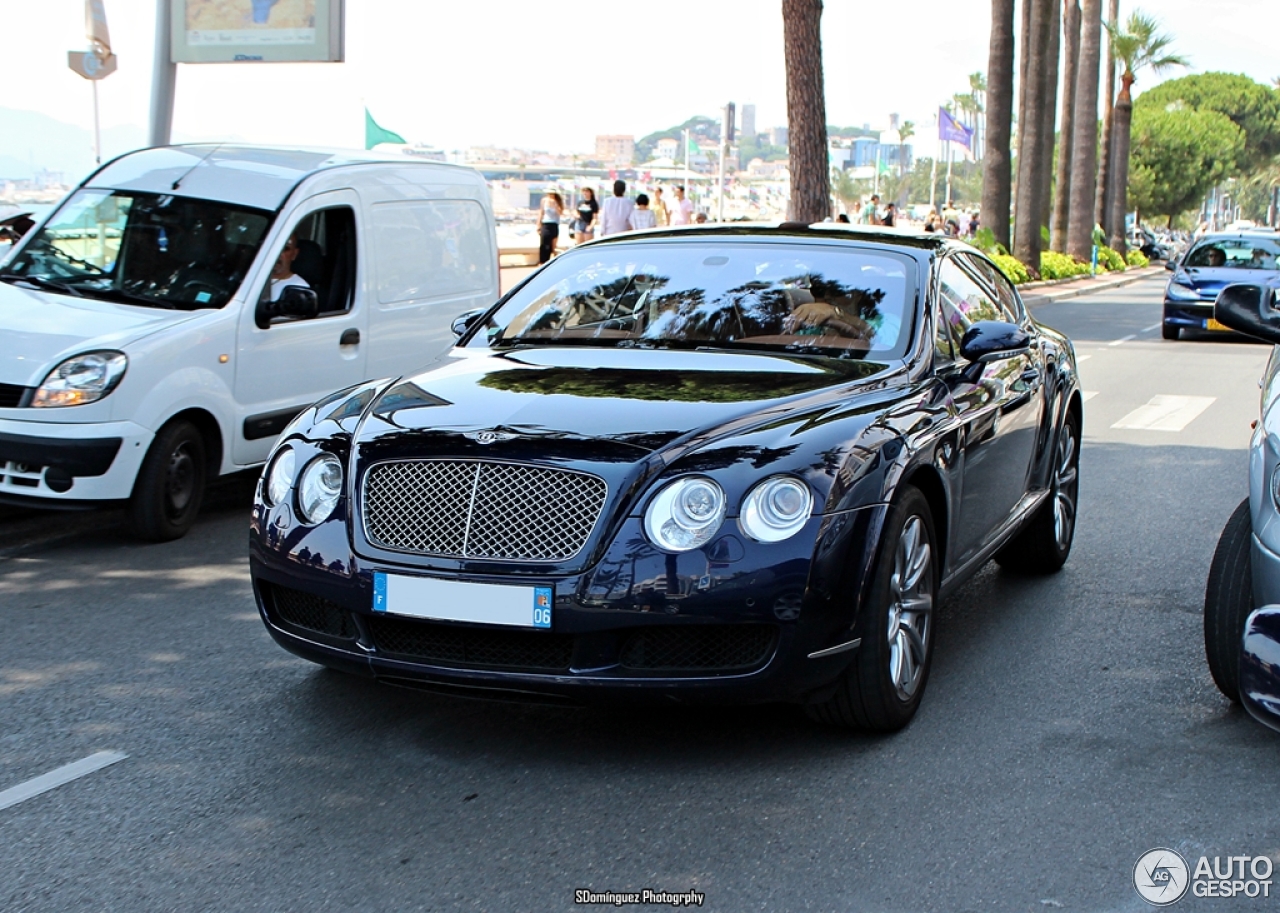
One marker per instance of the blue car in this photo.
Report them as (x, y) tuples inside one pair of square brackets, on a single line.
[(1213, 263), (1242, 598)]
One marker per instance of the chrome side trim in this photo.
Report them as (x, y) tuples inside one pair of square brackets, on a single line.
[(838, 648)]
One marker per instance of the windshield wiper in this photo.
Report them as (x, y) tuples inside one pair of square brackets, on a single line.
[(41, 282)]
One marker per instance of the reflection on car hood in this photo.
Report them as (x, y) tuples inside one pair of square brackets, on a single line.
[(40, 329), (631, 398), (1210, 280)]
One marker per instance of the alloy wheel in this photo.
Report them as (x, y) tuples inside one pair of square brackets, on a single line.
[(910, 607)]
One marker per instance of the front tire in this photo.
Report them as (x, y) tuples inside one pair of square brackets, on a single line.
[(882, 688), (1228, 600), (170, 485), (1043, 545), (1169, 332)]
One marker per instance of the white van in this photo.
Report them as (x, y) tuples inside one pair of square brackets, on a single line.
[(144, 349)]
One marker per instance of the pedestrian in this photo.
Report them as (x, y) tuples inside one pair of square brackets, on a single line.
[(642, 216), (616, 211), (975, 223), (890, 214), (659, 206), (870, 213), (680, 210), (549, 225), (584, 227), (843, 217)]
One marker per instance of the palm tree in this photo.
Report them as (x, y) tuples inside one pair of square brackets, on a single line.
[(1048, 111), (1102, 203), (1139, 44), (996, 173), (844, 188), (978, 86), (905, 132), (1084, 145), (806, 110), (1070, 64), (1036, 49)]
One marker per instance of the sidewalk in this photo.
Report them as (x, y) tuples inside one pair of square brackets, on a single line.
[(1035, 294)]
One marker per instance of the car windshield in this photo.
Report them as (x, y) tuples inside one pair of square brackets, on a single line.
[(844, 301), (1236, 253), (154, 250)]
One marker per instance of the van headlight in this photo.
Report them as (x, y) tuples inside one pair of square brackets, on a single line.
[(685, 514), (776, 509), (319, 488), (81, 379)]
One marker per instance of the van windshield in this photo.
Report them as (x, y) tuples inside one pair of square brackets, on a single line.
[(148, 249)]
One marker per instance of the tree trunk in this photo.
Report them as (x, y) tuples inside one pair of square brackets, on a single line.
[(996, 172), (1084, 151), (1070, 64), (1048, 113), (1102, 203), (1119, 195), (806, 111), (1030, 188)]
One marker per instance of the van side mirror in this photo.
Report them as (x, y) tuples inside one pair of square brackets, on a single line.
[(295, 302), (1249, 309), (1170, 264), (463, 322)]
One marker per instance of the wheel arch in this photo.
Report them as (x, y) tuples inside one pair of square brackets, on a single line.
[(926, 478), (210, 431)]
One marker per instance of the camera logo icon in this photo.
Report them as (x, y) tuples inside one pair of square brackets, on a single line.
[(1161, 877)]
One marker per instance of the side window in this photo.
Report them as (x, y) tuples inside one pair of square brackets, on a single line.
[(970, 301), (1008, 299), (319, 253), (432, 249)]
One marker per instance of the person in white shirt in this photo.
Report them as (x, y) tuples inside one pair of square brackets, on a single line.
[(642, 216), (282, 274), (680, 210), (615, 213)]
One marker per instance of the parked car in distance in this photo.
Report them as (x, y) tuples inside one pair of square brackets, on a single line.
[(1242, 597), (1210, 265), (732, 463), (181, 305)]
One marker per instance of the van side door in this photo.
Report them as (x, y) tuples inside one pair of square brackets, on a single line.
[(283, 364)]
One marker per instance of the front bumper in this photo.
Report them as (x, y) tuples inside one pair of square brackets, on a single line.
[(70, 464), (636, 625), (1189, 314)]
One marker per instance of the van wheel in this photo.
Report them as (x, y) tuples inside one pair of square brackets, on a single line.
[(170, 485)]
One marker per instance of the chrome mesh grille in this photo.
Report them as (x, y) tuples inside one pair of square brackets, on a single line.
[(476, 509)]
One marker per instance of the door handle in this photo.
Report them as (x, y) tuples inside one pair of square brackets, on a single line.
[(349, 337)]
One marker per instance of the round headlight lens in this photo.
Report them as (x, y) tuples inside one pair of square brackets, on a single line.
[(685, 514), (83, 379), (1275, 487), (776, 509), (280, 476), (319, 488)]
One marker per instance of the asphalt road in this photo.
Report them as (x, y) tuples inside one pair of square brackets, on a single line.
[(1070, 726)]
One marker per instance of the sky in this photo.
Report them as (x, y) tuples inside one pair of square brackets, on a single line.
[(553, 76)]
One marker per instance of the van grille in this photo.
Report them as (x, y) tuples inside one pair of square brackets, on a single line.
[(11, 396)]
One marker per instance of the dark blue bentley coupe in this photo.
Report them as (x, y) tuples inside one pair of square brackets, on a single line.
[(706, 464)]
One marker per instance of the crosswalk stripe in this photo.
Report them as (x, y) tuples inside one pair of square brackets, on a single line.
[(1165, 413), (1080, 358)]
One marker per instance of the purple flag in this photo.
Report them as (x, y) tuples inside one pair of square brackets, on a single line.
[(951, 129)]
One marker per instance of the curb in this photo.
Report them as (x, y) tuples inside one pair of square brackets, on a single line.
[(1037, 297)]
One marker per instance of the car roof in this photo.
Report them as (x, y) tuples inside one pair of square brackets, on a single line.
[(823, 231), (257, 176)]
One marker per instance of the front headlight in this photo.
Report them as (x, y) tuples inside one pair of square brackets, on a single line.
[(1179, 292), (776, 509), (83, 379), (1275, 487), (319, 488), (685, 514), (280, 476)]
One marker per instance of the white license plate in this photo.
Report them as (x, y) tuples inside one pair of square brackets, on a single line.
[(459, 600)]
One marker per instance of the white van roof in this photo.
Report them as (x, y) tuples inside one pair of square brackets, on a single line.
[(257, 176)]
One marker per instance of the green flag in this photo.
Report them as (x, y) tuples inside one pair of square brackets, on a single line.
[(373, 134)]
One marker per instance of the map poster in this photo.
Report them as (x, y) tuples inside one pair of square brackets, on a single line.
[(255, 31)]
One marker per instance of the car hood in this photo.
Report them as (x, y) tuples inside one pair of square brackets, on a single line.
[(1208, 281), (620, 400), (40, 329)]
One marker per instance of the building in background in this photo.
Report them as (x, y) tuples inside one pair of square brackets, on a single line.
[(749, 121), (778, 136), (616, 149)]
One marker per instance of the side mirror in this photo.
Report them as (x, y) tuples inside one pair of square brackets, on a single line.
[(294, 302), (992, 340), (464, 322), (1170, 264), (1249, 309)]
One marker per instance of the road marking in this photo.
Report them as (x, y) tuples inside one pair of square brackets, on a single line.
[(1165, 413), (1080, 358), (1154, 326), (55, 778), (1116, 342), (1088, 395)]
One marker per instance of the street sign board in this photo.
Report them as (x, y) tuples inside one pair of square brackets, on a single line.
[(257, 31), (90, 65)]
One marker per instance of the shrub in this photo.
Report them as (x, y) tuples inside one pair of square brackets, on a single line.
[(1137, 258), (1109, 260), (985, 240), (1012, 268), (1054, 265)]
